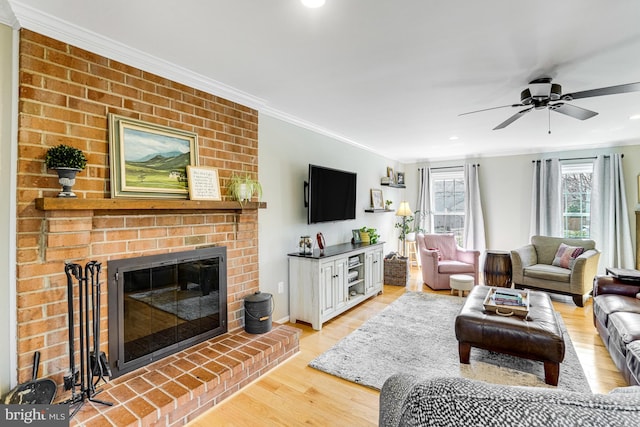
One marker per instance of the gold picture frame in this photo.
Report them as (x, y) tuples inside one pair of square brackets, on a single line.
[(391, 175), (149, 160), (204, 183)]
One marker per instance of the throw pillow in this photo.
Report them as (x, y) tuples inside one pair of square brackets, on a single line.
[(566, 255), (439, 254)]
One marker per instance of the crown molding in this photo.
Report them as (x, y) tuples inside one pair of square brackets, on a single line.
[(50, 26), (280, 115), (6, 15)]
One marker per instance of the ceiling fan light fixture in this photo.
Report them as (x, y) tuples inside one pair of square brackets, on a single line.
[(312, 4), (542, 94), (540, 90)]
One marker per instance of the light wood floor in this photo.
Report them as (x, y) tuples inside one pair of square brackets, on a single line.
[(295, 394)]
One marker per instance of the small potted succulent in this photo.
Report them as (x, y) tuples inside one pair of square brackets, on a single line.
[(67, 161), (242, 188)]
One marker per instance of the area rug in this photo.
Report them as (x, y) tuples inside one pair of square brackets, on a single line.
[(415, 335), (188, 304)]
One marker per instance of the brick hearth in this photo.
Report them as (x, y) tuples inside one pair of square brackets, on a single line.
[(178, 388)]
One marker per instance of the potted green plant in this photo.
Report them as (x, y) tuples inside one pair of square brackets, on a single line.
[(242, 188), (387, 204), (405, 227), (410, 227), (67, 161), (369, 235)]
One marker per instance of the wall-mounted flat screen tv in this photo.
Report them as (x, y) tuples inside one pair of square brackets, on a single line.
[(330, 195)]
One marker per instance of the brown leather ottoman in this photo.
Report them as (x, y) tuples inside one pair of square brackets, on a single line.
[(538, 337)]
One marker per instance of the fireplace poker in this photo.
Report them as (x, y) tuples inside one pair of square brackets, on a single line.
[(99, 363), (71, 379)]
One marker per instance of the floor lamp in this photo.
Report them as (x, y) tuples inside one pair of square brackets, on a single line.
[(404, 211)]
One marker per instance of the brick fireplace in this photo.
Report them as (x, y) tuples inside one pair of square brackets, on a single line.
[(65, 96)]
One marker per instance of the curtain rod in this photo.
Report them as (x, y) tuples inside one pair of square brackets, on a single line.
[(453, 167), (577, 158)]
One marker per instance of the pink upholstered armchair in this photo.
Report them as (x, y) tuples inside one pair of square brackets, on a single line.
[(453, 259)]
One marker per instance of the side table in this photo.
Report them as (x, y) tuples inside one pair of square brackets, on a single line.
[(497, 269)]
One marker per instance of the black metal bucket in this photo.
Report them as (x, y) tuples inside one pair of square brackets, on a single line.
[(258, 309)]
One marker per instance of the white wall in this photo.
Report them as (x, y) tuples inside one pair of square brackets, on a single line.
[(285, 152), (7, 212)]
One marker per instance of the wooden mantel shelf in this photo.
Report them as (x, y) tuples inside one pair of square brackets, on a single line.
[(72, 204)]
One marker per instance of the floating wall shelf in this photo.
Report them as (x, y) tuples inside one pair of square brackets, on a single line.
[(378, 210)]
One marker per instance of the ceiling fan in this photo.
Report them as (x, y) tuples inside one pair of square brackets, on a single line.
[(543, 94)]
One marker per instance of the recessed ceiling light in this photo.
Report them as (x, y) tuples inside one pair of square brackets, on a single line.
[(313, 3), (453, 138), (635, 117)]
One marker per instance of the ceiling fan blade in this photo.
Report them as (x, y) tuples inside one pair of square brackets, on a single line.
[(572, 111), (513, 118), (492, 108), (611, 90)]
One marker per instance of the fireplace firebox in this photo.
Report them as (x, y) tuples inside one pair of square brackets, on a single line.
[(161, 304)]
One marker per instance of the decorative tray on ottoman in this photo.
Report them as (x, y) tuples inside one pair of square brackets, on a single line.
[(507, 302)]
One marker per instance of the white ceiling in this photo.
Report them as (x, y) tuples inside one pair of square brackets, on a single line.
[(392, 76)]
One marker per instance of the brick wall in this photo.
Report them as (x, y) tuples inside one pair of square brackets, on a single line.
[(66, 94)]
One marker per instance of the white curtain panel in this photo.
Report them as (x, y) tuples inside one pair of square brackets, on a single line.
[(609, 218), (424, 200), (474, 236), (546, 202)]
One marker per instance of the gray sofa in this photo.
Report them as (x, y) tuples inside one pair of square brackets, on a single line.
[(532, 267), (409, 401)]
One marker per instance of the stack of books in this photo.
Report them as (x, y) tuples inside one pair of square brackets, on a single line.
[(508, 298)]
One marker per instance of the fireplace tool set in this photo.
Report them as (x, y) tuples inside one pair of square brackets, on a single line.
[(94, 366)]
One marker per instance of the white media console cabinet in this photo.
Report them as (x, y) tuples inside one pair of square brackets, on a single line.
[(321, 286)]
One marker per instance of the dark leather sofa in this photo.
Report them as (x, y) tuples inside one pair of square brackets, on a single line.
[(616, 316)]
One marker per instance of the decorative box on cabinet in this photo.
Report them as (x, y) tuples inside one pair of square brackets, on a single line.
[(323, 286)]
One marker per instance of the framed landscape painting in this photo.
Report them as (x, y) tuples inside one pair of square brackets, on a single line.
[(149, 160)]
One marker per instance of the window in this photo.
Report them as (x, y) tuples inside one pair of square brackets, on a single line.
[(447, 192), (576, 199)]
